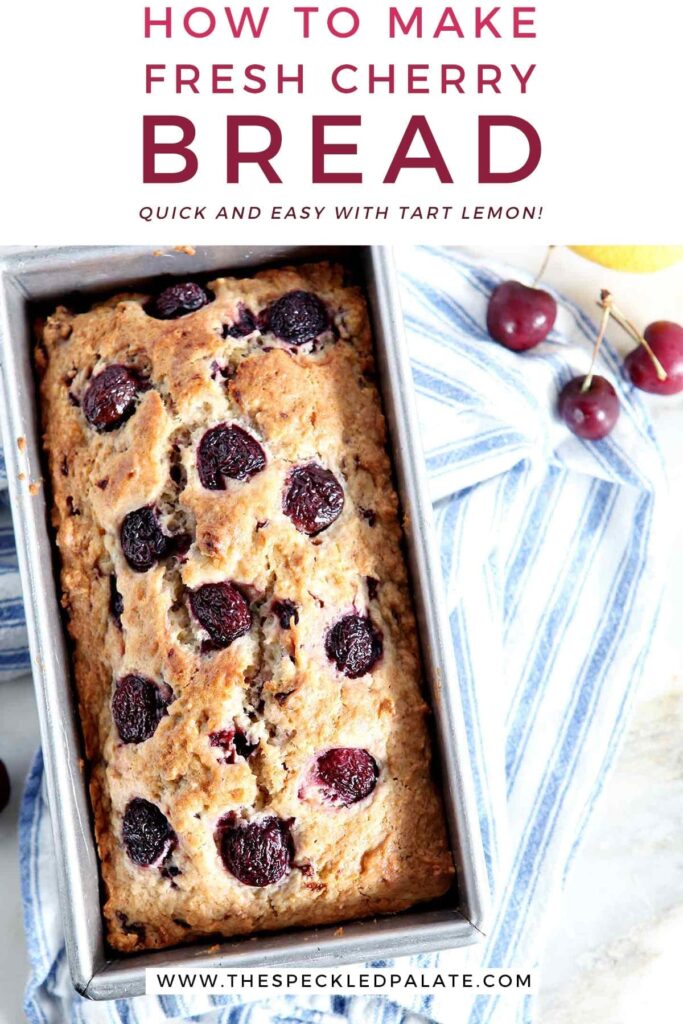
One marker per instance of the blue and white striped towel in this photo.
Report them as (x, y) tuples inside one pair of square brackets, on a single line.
[(553, 585), (14, 657)]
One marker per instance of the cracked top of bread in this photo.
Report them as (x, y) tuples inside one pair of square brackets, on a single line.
[(244, 645)]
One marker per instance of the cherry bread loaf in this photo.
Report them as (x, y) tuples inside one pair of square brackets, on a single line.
[(244, 646)]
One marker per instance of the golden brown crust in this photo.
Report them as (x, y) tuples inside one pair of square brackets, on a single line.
[(316, 404)]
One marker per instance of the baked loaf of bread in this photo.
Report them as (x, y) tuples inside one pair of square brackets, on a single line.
[(245, 650)]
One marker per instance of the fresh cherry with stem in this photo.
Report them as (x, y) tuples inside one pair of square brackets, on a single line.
[(589, 405), (665, 339), (519, 316), (657, 364)]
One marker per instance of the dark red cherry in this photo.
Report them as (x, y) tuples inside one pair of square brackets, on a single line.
[(178, 300), (286, 612), (142, 540), (313, 498), (258, 852), (354, 645), (222, 610), (232, 742), (590, 414), (666, 341), (5, 788), (297, 317), (520, 317), (345, 775), (146, 834), (110, 397), (138, 705), (228, 451)]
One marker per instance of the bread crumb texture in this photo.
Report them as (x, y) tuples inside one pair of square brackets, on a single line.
[(245, 699)]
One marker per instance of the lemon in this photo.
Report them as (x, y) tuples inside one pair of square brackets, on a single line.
[(637, 259)]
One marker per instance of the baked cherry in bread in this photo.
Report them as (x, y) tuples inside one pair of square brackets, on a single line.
[(345, 775), (178, 300), (111, 396), (228, 451), (259, 852), (222, 610), (297, 317), (354, 645), (313, 498), (146, 834), (143, 542), (138, 705)]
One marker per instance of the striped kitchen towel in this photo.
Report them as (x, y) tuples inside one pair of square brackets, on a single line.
[(553, 581), (14, 657)]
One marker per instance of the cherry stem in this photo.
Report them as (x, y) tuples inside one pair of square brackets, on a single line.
[(606, 312), (631, 329), (544, 265)]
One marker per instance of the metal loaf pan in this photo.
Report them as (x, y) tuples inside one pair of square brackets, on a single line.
[(458, 919)]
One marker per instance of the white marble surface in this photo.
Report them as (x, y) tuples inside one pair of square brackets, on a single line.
[(613, 955)]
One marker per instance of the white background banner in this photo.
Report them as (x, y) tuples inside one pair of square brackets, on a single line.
[(598, 81)]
